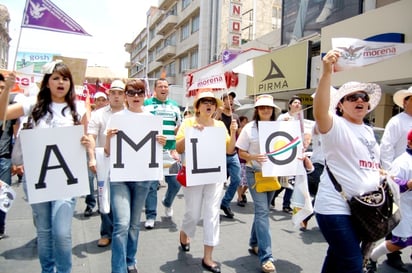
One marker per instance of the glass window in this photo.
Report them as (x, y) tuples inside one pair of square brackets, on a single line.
[(193, 59), (185, 31), (195, 23), (184, 63), (185, 3)]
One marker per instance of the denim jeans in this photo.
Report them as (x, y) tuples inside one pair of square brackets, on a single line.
[(151, 201), (173, 188), (54, 234), (127, 201), (286, 196), (344, 254), (106, 226), (5, 175), (260, 232), (91, 198), (233, 170)]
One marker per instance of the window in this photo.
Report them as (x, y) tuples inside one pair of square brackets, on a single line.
[(171, 39), (185, 3), (195, 23), (185, 31), (193, 59), (184, 63), (170, 69)]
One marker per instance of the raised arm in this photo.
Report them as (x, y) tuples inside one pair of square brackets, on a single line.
[(321, 101), (9, 111)]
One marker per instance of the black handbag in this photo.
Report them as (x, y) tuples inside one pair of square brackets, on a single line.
[(371, 213)]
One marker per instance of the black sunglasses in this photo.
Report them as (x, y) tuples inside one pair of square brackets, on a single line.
[(356, 96), (208, 101), (132, 93)]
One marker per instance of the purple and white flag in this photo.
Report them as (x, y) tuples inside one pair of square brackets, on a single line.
[(229, 55), (43, 14), (356, 52)]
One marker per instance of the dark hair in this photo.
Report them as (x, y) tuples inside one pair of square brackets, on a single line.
[(293, 98), (160, 79), (242, 118), (44, 100), (2, 79), (256, 117)]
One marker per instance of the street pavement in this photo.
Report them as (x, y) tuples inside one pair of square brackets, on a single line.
[(159, 250)]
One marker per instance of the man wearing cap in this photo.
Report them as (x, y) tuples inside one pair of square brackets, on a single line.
[(169, 110), (100, 100), (232, 160), (392, 145), (96, 131)]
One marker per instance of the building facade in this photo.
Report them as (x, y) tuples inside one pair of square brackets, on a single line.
[(4, 36), (184, 35)]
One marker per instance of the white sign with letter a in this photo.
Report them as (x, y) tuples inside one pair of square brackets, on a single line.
[(55, 163), (205, 155)]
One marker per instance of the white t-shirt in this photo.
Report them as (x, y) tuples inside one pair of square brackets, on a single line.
[(58, 119), (402, 168), (393, 142), (98, 123), (352, 154), (248, 141)]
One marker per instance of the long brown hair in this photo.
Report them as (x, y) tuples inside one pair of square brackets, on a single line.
[(44, 100)]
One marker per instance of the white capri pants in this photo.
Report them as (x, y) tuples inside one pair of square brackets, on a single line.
[(207, 198)]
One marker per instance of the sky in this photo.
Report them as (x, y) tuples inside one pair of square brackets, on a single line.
[(112, 24)]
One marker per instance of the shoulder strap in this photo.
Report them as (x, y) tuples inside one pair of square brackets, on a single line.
[(338, 187)]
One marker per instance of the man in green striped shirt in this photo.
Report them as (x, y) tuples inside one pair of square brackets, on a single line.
[(169, 110)]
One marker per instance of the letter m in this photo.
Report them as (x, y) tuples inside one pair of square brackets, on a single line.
[(151, 136)]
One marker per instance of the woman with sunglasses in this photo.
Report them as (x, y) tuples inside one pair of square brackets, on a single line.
[(204, 199), (352, 155), (128, 198)]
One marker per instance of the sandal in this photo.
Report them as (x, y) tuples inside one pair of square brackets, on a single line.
[(253, 250), (268, 267)]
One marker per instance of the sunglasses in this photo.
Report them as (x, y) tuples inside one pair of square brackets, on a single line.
[(132, 93), (356, 96), (208, 101)]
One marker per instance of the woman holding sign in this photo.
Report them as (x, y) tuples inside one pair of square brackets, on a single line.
[(207, 196), (127, 198), (55, 107), (249, 150)]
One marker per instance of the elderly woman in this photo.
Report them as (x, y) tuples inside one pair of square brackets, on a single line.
[(207, 196), (352, 155), (248, 144)]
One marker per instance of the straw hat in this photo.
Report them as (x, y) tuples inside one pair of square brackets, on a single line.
[(206, 94), (372, 89), (267, 100), (400, 96)]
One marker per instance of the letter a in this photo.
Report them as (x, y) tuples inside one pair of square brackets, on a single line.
[(45, 167)]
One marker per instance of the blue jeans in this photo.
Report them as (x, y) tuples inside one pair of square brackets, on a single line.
[(260, 233), (151, 201), (173, 188), (233, 170), (127, 201), (54, 234), (344, 254), (5, 175), (106, 226), (91, 198)]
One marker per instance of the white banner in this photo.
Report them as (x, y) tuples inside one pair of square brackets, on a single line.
[(356, 52), (7, 196), (55, 163), (205, 153), (282, 142), (135, 155)]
